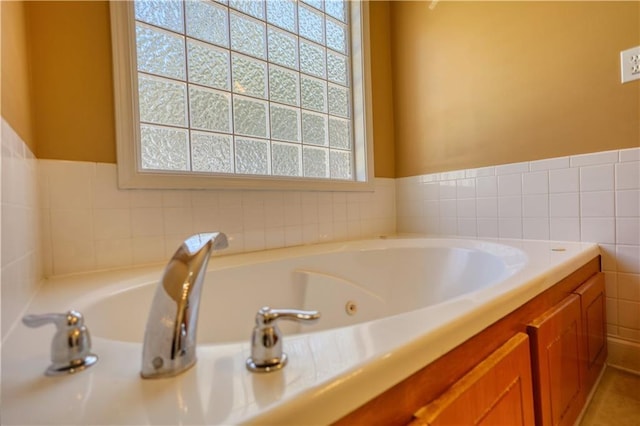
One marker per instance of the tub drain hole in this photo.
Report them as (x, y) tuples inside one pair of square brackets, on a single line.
[(351, 308)]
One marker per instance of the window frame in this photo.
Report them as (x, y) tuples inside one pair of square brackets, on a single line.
[(127, 119)]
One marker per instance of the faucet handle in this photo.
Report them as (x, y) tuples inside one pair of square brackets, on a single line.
[(71, 345), (266, 339)]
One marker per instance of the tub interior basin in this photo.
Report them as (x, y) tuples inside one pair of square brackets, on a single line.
[(347, 287)]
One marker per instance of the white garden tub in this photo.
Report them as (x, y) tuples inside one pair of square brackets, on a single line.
[(389, 307)]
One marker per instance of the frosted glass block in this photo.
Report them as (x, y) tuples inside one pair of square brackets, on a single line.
[(211, 153), (286, 159), (285, 123), (312, 59), (336, 8), (313, 94), (162, 101), (315, 3), (208, 21), (340, 164), (339, 134), (338, 101), (283, 85), (311, 24), (282, 13), (163, 13), (336, 36), (252, 156), (254, 8), (164, 148), (160, 52), (314, 129), (249, 76), (337, 68), (248, 36), (208, 65), (283, 48), (315, 162), (250, 117), (210, 109)]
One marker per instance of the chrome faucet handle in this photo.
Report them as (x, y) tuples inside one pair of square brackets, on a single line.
[(266, 339), (71, 345)]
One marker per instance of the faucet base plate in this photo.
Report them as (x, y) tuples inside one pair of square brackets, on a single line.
[(266, 368), (74, 366)]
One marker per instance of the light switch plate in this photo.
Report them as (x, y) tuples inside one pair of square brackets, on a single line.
[(630, 64)]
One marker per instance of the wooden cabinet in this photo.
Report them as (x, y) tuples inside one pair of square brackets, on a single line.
[(496, 392)]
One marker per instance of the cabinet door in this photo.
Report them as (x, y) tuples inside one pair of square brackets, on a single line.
[(557, 345), (498, 391), (592, 302)]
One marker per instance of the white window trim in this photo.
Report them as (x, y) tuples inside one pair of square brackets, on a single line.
[(127, 120)]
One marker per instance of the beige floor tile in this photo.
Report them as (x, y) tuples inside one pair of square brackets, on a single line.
[(616, 401)]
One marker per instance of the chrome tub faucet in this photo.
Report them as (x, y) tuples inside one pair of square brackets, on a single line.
[(169, 346)]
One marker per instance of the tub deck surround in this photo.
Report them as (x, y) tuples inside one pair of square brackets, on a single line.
[(330, 372)]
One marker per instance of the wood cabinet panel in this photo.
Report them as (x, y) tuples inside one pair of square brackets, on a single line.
[(498, 391), (593, 302), (557, 363)]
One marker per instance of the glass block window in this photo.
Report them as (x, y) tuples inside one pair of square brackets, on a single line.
[(245, 87)]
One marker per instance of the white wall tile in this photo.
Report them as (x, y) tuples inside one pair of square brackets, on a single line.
[(467, 227), (564, 180), (448, 190), (111, 224), (487, 227), (628, 259), (487, 207), (535, 228), (535, 183), (448, 226), (510, 227), (596, 178), (550, 164), (611, 284), (510, 185), (510, 207), (431, 190), (597, 204), (466, 188), (535, 206), (448, 208), (71, 184), (608, 257), (628, 287), (628, 203), (629, 314), (147, 222), (466, 208), (598, 230), (564, 205), (513, 168), (603, 157), (630, 154), (628, 230), (628, 175), (564, 229), (106, 194), (487, 186)]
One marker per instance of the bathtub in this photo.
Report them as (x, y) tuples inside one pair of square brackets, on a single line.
[(389, 307)]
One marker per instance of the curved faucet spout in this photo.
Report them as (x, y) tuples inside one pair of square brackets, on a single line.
[(169, 346)]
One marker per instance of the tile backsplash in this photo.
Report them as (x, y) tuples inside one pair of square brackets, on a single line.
[(21, 254), (591, 197), (90, 224)]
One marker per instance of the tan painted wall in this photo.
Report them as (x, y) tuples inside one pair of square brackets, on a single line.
[(381, 76), (71, 51), (72, 80), (483, 83), (16, 102)]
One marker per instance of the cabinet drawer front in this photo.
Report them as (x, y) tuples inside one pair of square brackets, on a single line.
[(496, 391)]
